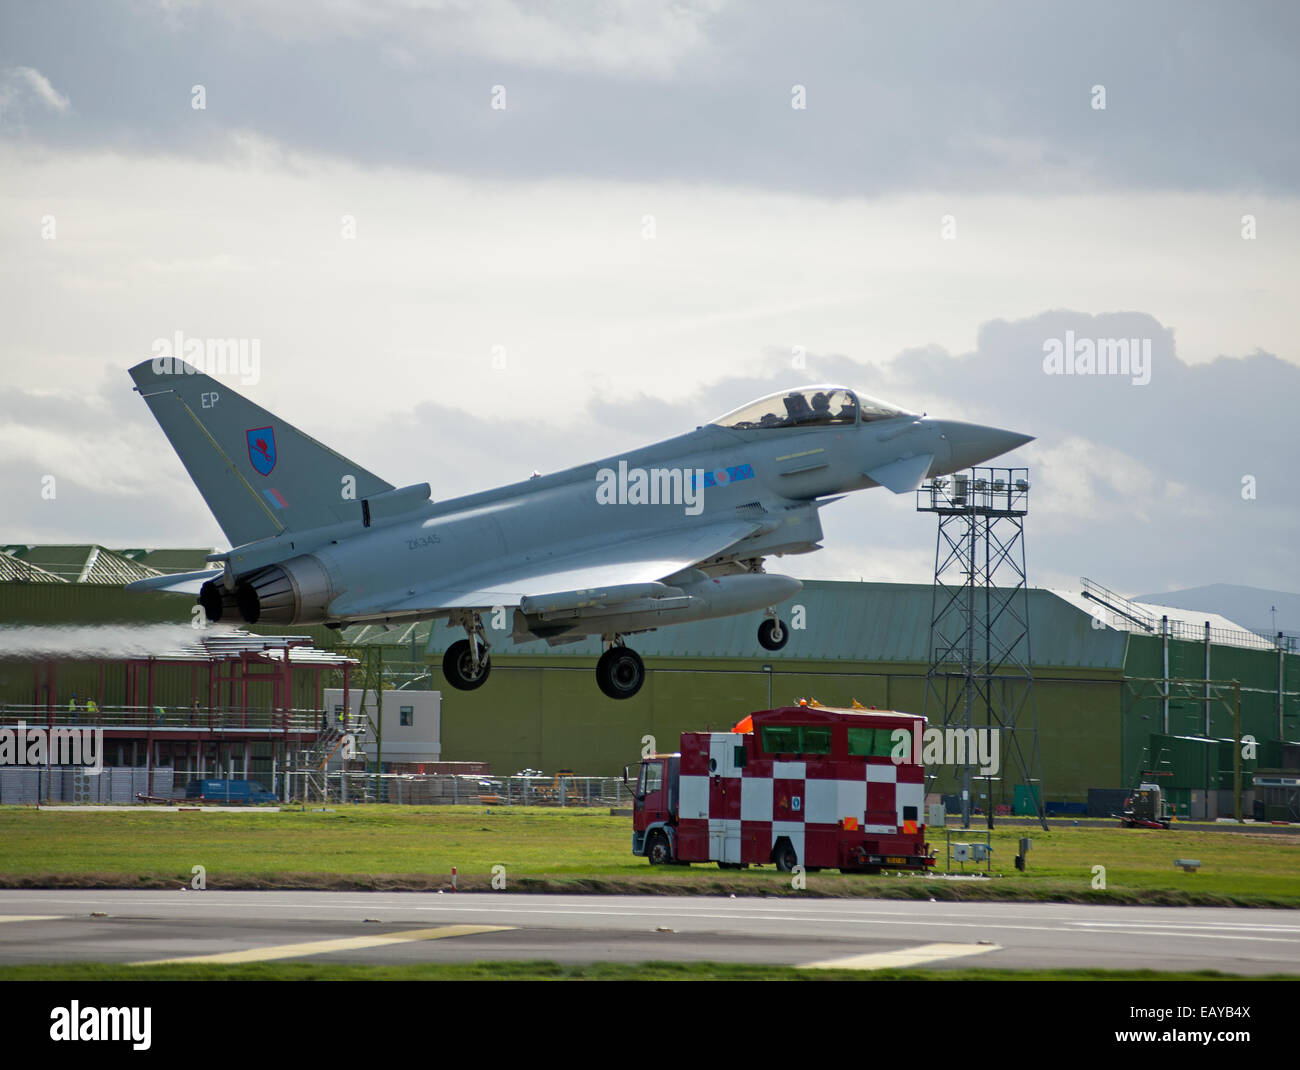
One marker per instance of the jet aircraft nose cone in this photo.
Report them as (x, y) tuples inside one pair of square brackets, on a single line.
[(974, 444)]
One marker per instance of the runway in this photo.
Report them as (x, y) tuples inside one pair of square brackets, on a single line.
[(39, 926)]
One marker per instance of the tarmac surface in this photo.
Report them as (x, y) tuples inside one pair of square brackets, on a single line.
[(46, 926)]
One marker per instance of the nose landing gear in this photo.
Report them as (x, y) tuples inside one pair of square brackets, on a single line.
[(466, 664), (772, 634)]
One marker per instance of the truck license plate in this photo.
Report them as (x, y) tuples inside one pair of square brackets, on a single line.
[(895, 860)]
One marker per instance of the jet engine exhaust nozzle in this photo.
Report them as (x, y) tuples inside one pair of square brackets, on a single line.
[(295, 592), (217, 601)]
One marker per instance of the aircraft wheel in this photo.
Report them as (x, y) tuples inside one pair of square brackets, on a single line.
[(458, 667), (772, 634), (620, 672)]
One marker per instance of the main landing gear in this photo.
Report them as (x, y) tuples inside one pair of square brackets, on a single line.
[(466, 664), (620, 671)]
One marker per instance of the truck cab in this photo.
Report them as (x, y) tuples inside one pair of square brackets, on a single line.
[(654, 808)]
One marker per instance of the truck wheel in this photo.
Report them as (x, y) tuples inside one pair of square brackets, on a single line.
[(658, 850), (783, 854)]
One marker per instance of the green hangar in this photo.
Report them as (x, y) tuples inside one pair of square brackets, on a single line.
[(1122, 691)]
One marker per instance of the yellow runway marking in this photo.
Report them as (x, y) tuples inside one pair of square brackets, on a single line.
[(911, 956), (322, 947), (30, 917)]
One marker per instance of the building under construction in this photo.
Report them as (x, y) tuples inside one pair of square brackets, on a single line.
[(218, 705)]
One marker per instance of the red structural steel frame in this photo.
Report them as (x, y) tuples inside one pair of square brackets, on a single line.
[(242, 668)]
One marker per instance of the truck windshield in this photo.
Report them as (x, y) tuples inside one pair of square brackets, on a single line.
[(652, 778)]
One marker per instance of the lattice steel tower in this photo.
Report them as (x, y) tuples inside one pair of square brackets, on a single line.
[(979, 677)]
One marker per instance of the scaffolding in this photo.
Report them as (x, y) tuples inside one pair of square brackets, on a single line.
[(979, 666)]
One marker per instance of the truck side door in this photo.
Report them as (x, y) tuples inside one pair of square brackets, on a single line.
[(652, 787)]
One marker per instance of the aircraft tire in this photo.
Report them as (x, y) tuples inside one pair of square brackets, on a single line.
[(456, 666), (620, 672), (772, 634)]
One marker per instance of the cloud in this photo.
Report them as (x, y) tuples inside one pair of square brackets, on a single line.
[(945, 97), (1138, 487), (620, 39), (20, 86)]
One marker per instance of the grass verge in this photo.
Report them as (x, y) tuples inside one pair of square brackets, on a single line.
[(390, 848)]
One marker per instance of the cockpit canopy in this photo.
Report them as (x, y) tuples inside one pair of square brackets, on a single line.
[(810, 406)]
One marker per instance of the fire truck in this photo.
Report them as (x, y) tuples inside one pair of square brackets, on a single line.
[(805, 785)]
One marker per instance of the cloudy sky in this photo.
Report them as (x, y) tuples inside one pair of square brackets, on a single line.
[(474, 240)]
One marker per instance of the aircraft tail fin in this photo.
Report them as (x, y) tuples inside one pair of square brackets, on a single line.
[(259, 475)]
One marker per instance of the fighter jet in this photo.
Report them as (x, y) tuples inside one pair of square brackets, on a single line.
[(676, 531)]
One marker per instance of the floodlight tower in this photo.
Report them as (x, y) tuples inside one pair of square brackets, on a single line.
[(979, 668)]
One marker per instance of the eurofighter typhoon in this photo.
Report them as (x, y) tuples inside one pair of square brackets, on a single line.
[(672, 532)]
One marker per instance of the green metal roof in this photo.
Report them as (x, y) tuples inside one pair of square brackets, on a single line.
[(170, 559), (14, 569), (83, 563)]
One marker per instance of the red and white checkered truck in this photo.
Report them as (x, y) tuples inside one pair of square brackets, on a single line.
[(805, 785)]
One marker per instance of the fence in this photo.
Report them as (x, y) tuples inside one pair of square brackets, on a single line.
[(29, 785), (1122, 613), (453, 790), (121, 784), (159, 717)]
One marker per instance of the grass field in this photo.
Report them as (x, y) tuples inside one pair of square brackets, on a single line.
[(548, 850)]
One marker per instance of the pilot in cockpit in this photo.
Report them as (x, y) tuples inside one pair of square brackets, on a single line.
[(797, 408)]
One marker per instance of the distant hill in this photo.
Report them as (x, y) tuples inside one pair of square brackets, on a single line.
[(1248, 606)]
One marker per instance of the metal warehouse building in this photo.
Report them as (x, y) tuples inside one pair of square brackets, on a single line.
[(1097, 707), (1104, 714)]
